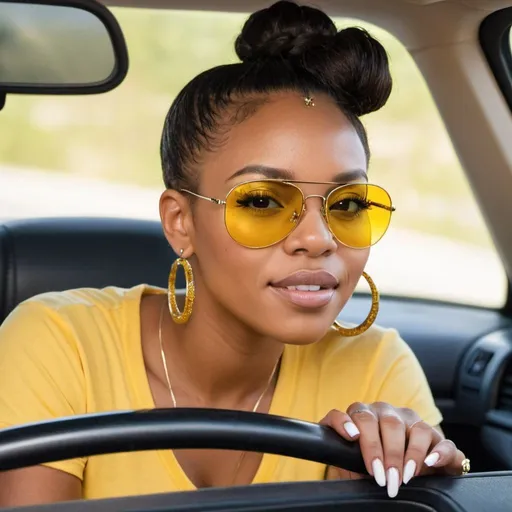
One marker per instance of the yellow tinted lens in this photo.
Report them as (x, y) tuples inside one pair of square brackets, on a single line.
[(358, 214), (261, 213)]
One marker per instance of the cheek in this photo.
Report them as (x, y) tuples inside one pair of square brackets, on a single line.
[(212, 243), (227, 268), (354, 262)]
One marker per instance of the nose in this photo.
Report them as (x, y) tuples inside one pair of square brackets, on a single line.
[(312, 235)]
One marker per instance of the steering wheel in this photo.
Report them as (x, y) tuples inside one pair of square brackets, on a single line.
[(158, 429)]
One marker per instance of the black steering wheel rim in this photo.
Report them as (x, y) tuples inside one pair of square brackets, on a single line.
[(181, 428)]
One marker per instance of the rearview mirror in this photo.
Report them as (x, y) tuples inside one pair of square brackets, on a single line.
[(60, 47)]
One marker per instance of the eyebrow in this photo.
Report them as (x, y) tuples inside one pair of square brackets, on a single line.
[(274, 173)]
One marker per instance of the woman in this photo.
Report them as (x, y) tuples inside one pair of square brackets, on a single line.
[(267, 204)]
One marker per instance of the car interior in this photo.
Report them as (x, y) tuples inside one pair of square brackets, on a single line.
[(462, 48)]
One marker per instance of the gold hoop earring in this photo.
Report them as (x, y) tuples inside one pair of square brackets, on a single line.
[(190, 292), (372, 315)]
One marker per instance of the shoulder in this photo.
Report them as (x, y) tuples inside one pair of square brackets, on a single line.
[(110, 297), (66, 317), (79, 301), (376, 366), (374, 344), (355, 358), (344, 370)]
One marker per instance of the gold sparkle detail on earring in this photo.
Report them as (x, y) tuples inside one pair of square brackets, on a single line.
[(309, 101)]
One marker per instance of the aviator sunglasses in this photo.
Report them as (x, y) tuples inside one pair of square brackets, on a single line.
[(261, 213)]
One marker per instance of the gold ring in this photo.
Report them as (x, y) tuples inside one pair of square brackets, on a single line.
[(466, 466)]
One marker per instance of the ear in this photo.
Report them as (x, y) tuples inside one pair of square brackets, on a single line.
[(177, 223)]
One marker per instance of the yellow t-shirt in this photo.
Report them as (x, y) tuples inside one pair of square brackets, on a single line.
[(79, 352)]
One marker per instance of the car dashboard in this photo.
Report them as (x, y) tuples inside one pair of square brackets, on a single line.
[(466, 494)]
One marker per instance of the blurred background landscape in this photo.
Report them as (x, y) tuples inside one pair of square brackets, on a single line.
[(98, 155)]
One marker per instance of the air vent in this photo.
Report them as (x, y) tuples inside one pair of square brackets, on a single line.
[(478, 362), (505, 390)]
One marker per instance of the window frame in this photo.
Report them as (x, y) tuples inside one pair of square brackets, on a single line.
[(494, 36)]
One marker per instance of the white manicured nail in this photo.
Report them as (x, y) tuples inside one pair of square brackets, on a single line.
[(409, 470), (393, 482), (378, 472), (432, 459), (351, 429)]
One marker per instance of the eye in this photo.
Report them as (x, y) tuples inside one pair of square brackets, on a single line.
[(350, 205), (259, 201)]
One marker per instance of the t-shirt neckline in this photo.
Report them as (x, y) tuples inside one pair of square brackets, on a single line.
[(280, 404)]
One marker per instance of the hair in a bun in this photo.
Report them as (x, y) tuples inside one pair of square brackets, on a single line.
[(285, 29), (283, 47), (351, 63)]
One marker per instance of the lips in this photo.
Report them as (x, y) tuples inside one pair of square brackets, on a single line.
[(308, 278), (307, 289)]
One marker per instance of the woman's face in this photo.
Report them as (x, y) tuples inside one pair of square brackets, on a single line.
[(315, 143)]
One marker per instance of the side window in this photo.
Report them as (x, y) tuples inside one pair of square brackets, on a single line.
[(438, 238), (98, 156)]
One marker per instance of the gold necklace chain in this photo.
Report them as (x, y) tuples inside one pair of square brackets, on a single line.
[(173, 397)]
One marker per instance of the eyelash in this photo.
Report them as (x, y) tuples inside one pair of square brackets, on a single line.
[(362, 203), (244, 201)]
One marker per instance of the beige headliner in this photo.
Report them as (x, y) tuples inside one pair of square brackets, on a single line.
[(419, 23), (442, 36)]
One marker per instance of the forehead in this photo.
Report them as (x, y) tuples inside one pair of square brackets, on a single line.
[(315, 143)]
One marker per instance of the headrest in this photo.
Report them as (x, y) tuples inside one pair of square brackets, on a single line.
[(43, 255)]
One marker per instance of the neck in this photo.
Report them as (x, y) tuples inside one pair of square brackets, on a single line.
[(216, 361)]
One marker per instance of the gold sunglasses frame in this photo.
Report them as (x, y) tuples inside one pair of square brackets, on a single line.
[(296, 219)]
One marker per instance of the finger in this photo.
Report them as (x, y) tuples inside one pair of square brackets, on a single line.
[(393, 435), (369, 440), (342, 423), (445, 457), (456, 468), (419, 443)]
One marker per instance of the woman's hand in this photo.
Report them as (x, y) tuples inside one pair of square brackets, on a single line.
[(396, 444)]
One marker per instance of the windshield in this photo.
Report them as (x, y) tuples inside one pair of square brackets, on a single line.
[(99, 156)]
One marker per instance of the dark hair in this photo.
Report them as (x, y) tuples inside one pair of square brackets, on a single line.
[(285, 47)]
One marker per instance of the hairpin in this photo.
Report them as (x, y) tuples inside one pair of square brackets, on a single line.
[(309, 102)]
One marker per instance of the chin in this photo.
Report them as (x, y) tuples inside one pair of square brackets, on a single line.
[(301, 331), (302, 317)]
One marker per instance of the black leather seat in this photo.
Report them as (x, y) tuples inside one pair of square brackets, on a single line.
[(43, 255)]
